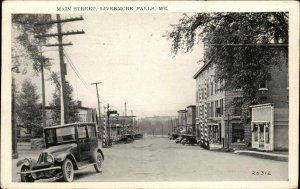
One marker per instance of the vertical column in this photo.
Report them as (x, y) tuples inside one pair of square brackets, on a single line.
[(104, 138), (206, 144), (201, 116)]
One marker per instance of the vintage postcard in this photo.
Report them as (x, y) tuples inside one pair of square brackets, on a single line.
[(150, 94)]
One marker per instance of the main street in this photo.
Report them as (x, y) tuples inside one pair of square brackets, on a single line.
[(157, 158)]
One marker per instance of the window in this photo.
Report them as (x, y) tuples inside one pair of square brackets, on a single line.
[(263, 85), (81, 131), (91, 131), (237, 133), (221, 106), (212, 88), (216, 87), (221, 85), (65, 134), (237, 106), (208, 110), (197, 99), (207, 90), (212, 109), (216, 106)]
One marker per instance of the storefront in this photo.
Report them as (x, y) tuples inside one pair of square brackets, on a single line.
[(262, 127)]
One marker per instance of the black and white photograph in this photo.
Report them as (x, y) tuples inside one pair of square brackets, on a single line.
[(105, 93)]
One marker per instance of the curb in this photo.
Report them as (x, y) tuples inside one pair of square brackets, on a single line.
[(276, 157)]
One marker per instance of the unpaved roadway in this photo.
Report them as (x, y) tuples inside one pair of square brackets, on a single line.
[(157, 158)]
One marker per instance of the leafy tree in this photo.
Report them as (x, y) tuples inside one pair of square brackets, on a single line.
[(28, 109), (236, 44), (24, 45), (55, 104)]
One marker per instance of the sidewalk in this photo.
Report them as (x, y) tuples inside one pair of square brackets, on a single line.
[(277, 156)]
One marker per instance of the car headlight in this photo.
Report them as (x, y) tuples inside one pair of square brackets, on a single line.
[(26, 162), (50, 158)]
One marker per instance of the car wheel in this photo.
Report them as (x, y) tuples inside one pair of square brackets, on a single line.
[(26, 177), (67, 170), (99, 161)]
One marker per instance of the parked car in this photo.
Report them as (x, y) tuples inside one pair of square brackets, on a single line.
[(69, 147), (179, 139)]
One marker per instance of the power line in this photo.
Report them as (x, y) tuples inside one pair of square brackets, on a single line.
[(76, 70)]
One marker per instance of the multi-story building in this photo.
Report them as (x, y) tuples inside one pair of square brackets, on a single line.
[(270, 119), (218, 118), (216, 115)]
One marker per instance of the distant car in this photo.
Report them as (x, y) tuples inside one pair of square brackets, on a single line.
[(178, 140), (69, 147)]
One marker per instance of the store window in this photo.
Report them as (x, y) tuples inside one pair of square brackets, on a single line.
[(237, 133)]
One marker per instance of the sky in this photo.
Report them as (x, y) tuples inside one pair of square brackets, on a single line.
[(132, 59)]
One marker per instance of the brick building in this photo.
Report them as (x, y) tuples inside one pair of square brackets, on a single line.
[(270, 120), (216, 115)]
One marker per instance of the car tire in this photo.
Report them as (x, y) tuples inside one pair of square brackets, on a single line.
[(26, 177), (67, 170), (99, 161)]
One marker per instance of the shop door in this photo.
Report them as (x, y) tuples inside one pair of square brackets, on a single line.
[(261, 136)]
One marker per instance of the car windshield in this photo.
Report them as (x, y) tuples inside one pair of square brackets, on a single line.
[(59, 135)]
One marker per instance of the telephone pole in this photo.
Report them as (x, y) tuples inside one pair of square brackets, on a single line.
[(99, 109), (42, 62), (64, 114)]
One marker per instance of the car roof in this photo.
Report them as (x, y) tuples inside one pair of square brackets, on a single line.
[(70, 124)]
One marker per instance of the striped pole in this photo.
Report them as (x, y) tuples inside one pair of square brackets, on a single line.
[(205, 116), (201, 116), (104, 133)]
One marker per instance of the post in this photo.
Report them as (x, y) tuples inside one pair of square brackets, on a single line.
[(227, 130), (64, 113), (108, 134), (15, 154), (43, 94), (99, 110), (125, 110)]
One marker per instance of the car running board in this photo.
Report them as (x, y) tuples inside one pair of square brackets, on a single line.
[(85, 166)]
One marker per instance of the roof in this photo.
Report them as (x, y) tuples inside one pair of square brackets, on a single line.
[(191, 106), (69, 124), (181, 110), (202, 68)]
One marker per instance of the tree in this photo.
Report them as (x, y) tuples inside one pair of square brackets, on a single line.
[(24, 45), (55, 104), (243, 46), (28, 109)]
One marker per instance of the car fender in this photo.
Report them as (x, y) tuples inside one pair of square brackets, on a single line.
[(62, 157), (100, 151), (21, 162)]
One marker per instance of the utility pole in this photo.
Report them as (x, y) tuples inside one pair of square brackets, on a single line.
[(125, 110), (43, 94), (99, 109), (15, 154), (64, 114), (108, 134), (42, 62)]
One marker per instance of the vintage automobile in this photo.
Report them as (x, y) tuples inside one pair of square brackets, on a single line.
[(69, 147)]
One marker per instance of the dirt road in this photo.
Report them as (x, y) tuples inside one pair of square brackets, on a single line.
[(160, 159)]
